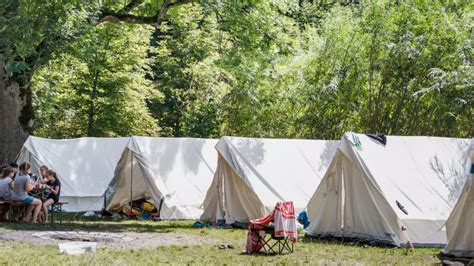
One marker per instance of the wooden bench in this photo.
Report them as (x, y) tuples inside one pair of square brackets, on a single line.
[(57, 208), (3, 204), (14, 206)]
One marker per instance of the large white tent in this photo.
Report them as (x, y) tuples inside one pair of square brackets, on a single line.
[(371, 190), (178, 169), (460, 224), (254, 174), (85, 166)]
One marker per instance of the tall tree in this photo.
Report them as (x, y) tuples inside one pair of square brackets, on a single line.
[(97, 86), (31, 31)]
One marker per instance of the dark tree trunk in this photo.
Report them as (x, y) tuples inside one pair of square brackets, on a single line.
[(91, 111), (15, 101)]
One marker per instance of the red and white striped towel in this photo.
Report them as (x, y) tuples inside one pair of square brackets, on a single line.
[(284, 219)]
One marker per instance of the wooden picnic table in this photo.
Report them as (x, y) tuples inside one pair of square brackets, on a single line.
[(40, 192)]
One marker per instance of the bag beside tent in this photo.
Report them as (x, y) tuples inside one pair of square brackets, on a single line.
[(253, 174), (371, 190), (178, 169), (460, 224), (85, 166)]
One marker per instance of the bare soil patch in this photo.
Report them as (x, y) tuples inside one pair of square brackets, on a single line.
[(125, 240)]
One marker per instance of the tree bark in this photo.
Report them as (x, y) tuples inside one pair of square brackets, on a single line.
[(12, 102), (91, 112)]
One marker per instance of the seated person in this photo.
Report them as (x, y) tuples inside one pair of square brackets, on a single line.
[(22, 185), (15, 168), (34, 178), (43, 178), (55, 187), (6, 185)]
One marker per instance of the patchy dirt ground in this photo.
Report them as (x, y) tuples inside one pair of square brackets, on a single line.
[(125, 240)]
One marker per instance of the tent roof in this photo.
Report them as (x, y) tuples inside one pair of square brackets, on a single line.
[(181, 169), (424, 174), (85, 165), (185, 165), (279, 169)]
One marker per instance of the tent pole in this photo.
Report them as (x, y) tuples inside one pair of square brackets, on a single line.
[(131, 183)]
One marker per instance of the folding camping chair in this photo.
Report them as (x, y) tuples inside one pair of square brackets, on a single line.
[(274, 233)]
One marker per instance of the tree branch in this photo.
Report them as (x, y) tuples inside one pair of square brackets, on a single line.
[(124, 16), (164, 9), (134, 3)]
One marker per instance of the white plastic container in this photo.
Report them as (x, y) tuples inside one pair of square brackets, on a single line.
[(74, 248)]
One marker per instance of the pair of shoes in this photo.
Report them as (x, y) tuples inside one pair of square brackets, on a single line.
[(224, 246)]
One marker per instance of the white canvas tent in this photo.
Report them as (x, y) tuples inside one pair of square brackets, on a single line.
[(254, 174), (460, 224), (85, 166), (368, 184), (179, 169)]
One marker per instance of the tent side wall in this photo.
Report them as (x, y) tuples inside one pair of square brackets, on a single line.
[(241, 204), (460, 224), (213, 202), (120, 189), (75, 203), (325, 207), (134, 179), (84, 165), (124, 188), (80, 204), (347, 198), (239, 201), (27, 156), (367, 214), (376, 180), (346, 204)]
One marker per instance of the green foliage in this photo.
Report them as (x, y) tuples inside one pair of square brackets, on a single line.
[(188, 76), (29, 28), (385, 67), (98, 85), (264, 69), (259, 41)]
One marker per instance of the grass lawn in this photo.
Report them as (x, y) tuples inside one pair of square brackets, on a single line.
[(14, 253)]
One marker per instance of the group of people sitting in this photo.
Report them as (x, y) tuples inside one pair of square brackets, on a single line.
[(18, 184)]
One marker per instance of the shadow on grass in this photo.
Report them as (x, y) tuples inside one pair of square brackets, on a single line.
[(347, 242), (264, 254), (70, 223)]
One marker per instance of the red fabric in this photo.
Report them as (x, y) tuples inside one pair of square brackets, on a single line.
[(261, 223), (254, 243), (256, 228), (284, 218)]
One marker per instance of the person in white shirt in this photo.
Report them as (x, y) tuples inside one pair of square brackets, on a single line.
[(6, 186)]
